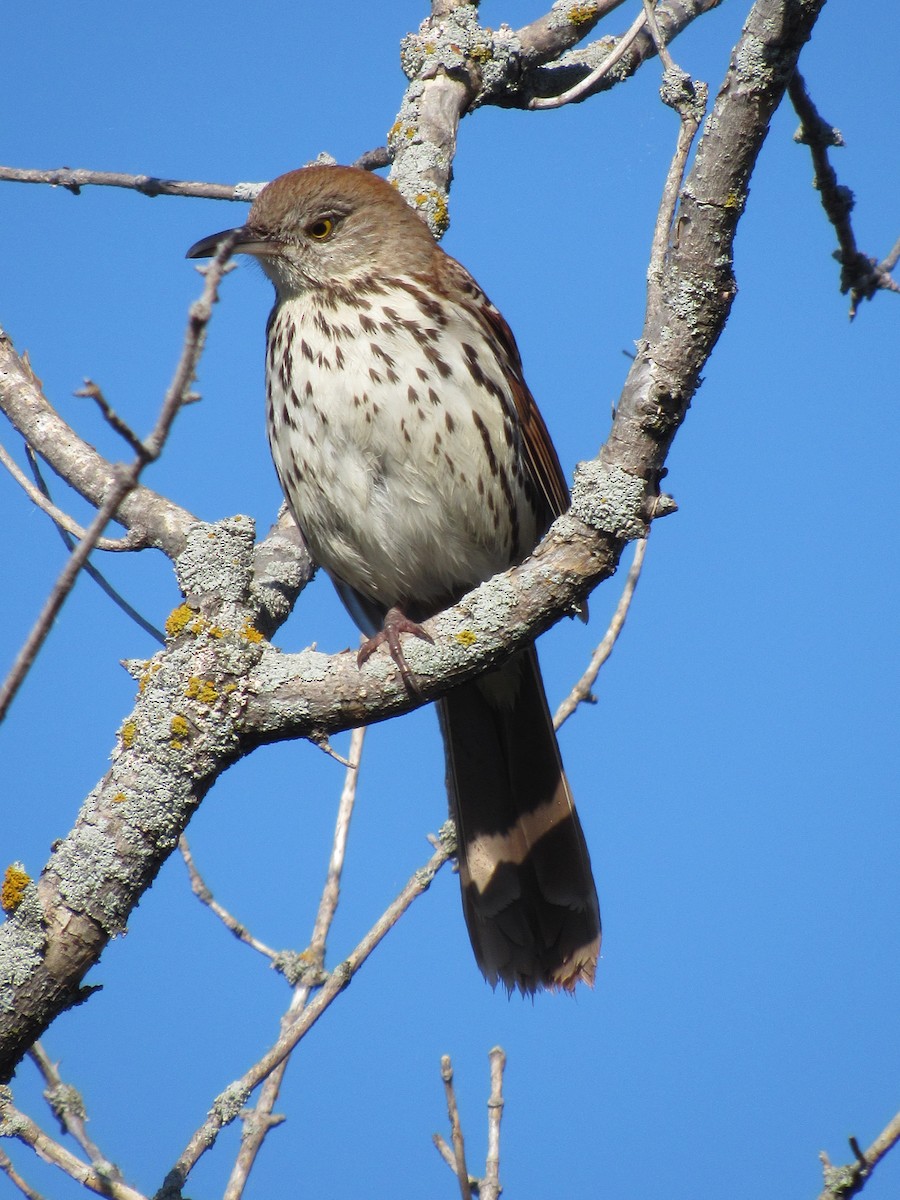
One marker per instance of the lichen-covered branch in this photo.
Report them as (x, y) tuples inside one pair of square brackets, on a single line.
[(454, 64), (843, 1182)]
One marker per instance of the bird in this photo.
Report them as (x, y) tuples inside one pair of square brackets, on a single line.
[(416, 464)]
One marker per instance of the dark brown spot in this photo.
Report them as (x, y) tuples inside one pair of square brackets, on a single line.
[(367, 324), (306, 350), (436, 361), (412, 395), (449, 422), (486, 439), (321, 324)]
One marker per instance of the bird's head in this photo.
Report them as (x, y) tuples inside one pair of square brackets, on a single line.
[(327, 225)]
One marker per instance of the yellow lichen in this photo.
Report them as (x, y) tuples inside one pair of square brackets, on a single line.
[(127, 732), (251, 634), (481, 53), (119, 798), (216, 631), (466, 638), (578, 14), (15, 881), (733, 200), (203, 690), (179, 619), (179, 726), (152, 668)]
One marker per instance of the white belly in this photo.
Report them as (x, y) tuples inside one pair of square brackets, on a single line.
[(386, 469)]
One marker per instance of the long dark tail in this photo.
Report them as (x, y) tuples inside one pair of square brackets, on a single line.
[(527, 890)]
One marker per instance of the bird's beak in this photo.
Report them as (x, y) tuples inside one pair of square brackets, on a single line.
[(244, 241)]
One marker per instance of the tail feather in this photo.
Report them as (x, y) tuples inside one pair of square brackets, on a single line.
[(528, 893)]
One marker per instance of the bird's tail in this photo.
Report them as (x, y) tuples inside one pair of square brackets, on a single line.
[(527, 890)]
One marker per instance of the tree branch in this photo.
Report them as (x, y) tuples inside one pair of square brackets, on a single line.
[(148, 185), (843, 1182), (861, 276), (229, 1104), (124, 478)]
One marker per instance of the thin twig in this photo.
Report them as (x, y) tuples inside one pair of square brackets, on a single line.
[(581, 692), (227, 1105), (659, 40), (68, 1107), (16, 1179), (125, 478), (91, 391), (205, 896), (323, 744), (861, 276), (490, 1186), (843, 1182), (62, 519), (584, 85), (456, 1135), (258, 1121), (14, 1123), (688, 98), (373, 160), (148, 185), (104, 544)]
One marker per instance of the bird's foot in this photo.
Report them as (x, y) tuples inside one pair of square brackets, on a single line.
[(395, 623)]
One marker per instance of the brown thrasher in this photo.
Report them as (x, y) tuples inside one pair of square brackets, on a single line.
[(417, 465)]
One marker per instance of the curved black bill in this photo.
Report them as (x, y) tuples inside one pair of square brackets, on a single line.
[(207, 246)]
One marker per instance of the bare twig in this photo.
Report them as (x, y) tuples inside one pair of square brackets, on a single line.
[(659, 40), (148, 185), (861, 276), (62, 519), (14, 1123), (688, 98), (373, 160), (68, 1108), (91, 391), (573, 93), (205, 896), (581, 692), (490, 1186), (456, 1135), (843, 1182), (124, 477), (16, 1179), (258, 1121), (103, 544), (228, 1104)]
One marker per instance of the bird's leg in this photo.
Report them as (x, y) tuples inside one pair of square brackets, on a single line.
[(395, 623)]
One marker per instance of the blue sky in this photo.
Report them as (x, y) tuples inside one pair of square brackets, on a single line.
[(737, 779)]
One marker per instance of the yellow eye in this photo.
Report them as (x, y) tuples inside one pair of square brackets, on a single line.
[(321, 230)]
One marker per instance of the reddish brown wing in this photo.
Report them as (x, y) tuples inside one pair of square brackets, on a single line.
[(540, 453)]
